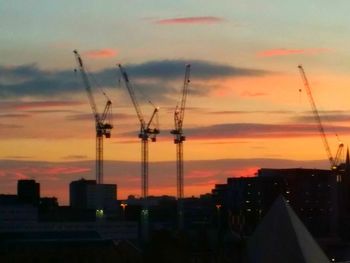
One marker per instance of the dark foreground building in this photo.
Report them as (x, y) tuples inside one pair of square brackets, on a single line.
[(282, 237), (28, 191), (70, 251), (319, 197)]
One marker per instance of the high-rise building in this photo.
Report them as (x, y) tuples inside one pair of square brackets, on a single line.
[(78, 193), (86, 194), (101, 196), (28, 191)]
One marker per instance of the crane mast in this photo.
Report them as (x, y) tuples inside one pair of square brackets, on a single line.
[(179, 138), (103, 127), (146, 132), (333, 161)]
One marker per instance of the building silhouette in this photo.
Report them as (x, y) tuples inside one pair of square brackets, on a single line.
[(28, 191), (319, 197)]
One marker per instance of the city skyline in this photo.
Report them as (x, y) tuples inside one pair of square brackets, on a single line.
[(246, 102)]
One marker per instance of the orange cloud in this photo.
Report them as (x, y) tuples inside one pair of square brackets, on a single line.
[(191, 20), (101, 53), (286, 52)]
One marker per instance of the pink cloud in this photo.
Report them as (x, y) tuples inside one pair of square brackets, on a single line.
[(201, 174), (242, 172), (101, 53), (26, 172), (191, 20), (257, 130), (286, 52)]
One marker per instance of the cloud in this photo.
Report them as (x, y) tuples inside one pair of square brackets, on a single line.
[(28, 105), (101, 53), (228, 131), (14, 157), (200, 69), (11, 126), (30, 81), (257, 130), (191, 20), (14, 115), (332, 116), (75, 157), (89, 117), (155, 78), (249, 112), (248, 130), (286, 52)]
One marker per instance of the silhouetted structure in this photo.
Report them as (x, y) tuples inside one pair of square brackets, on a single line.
[(78, 193), (28, 191), (317, 196), (282, 237), (86, 194)]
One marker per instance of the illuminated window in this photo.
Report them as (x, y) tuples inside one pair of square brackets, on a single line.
[(99, 213)]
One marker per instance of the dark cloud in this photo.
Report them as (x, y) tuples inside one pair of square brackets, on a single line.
[(174, 69), (249, 112), (339, 116), (14, 115), (254, 130), (204, 20), (75, 157), (89, 117), (43, 106), (11, 126), (31, 81), (16, 157)]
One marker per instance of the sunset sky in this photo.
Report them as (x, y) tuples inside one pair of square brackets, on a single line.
[(247, 106)]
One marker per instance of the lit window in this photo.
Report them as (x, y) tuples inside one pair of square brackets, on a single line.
[(99, 213)]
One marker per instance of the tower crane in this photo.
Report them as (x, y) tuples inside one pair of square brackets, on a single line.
[(179, 138), (146, 132), (103, 126), (334, 162)]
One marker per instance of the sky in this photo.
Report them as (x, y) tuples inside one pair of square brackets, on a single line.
[(246, 108)]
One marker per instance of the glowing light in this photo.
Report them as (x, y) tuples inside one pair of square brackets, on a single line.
[(99, 213)]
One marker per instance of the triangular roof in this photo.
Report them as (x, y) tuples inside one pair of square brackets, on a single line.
[(282, 237)]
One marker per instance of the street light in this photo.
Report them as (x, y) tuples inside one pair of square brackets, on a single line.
[(218, 206), (123, 205)]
